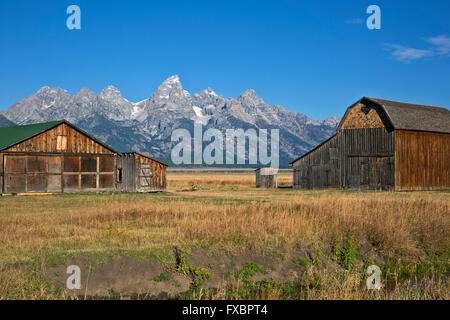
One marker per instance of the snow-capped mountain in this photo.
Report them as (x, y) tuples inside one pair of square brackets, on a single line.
[(146, 126)]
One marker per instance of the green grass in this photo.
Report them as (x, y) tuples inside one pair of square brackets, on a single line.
[(162, 277)]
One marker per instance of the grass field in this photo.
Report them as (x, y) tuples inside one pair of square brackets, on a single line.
[(216, 236)]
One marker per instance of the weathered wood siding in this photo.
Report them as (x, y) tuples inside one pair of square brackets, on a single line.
[(1, 173), (126, 172), (62, 138), (422, 160), (362, 116), (367, 158), (51, 173), (321, 168), (61, 159), (265, 178), (150, 175), (140, 174), (353, 158)]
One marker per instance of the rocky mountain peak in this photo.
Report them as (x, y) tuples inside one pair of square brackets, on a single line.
[(110, 93), (172, 80), (47, 92), (85, 92), (43, 90), (210, 92), (171, 85), (332, 121), (171, 92), (250, 98)]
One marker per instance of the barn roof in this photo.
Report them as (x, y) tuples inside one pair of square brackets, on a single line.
[(145, 156), (408, 116), (11, 136)]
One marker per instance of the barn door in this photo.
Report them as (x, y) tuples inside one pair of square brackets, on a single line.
[(145, 176), (376, 173)]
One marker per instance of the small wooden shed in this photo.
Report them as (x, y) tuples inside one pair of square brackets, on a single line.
[(266, 178), (140, 173), (54, 157)]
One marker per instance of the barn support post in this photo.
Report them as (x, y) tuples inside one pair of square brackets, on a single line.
[(3, 173)]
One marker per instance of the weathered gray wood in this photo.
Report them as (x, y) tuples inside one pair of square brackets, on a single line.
[(140, 173), (353, 158)]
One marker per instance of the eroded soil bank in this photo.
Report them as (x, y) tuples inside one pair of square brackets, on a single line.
[(196, 274)]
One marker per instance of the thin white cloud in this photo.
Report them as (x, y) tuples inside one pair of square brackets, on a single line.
[(406, 54), (441, 43), (355, 21), (440, 46)]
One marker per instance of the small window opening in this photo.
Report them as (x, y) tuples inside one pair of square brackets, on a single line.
[(61, 143)]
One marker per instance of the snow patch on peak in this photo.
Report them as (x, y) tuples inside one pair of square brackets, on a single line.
[(200, 117), (46, 106), (198, 111), (211, 92), (136, 110), (172, 80), (140, 102)]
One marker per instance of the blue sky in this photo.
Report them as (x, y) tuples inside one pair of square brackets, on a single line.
[(314, 57)]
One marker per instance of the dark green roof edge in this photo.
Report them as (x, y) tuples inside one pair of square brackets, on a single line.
[(10, 136)]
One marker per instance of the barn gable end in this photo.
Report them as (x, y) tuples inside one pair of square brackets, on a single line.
[(361, 116), (58, 137)]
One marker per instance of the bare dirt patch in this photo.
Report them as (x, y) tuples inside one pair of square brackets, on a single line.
[(122, 278)]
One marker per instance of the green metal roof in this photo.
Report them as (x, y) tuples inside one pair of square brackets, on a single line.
[(11, 136)]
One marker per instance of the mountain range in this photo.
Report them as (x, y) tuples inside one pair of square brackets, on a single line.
[(4, 122), (146, 126)]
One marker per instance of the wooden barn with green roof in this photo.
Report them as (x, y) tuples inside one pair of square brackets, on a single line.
[(54, 157)]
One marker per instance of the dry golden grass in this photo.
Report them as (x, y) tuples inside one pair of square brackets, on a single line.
[(227, 212), (176, 179)]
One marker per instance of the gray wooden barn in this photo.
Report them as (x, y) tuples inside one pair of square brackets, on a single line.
[(381, 145)]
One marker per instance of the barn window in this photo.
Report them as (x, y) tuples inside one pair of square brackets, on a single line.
[(365, 109), (119, 175), (61, 143)]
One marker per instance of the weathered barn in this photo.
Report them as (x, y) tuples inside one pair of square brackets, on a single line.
[(139, 173), (54, 157), (381, 145), (266, 178)]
